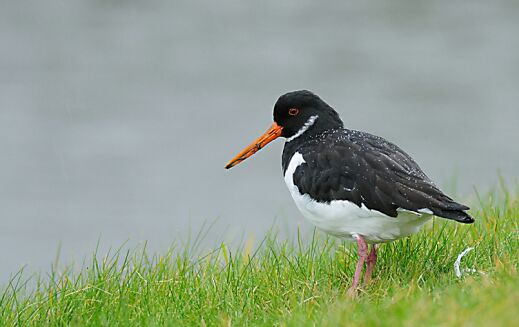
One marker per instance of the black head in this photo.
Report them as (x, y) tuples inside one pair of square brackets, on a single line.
[(295, 109), (295, 113)]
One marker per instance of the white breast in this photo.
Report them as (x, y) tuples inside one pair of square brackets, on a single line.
[(343, 218)]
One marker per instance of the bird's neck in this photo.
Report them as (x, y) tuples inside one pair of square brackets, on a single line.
[(289, 150), (313, 133)]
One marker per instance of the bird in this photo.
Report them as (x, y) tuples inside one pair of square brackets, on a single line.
[(351, 184)]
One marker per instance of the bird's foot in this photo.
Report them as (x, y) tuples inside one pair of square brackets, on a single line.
[(352, 292)]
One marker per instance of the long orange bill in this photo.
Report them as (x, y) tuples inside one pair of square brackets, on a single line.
[(270, 135)]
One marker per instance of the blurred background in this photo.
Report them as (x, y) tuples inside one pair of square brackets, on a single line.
[(117, 117)]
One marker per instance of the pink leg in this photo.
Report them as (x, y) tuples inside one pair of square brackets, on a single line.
[(370, 264), (363, 256)]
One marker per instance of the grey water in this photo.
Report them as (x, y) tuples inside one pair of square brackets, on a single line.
[(117, 117)]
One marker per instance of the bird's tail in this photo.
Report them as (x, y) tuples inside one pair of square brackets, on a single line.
[(454, 211)]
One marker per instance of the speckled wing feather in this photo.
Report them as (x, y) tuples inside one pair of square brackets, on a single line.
[(366, 169)]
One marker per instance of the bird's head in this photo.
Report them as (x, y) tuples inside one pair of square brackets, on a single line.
[(295, 113)]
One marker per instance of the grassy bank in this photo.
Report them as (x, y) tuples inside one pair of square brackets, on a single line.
[(294, 284)]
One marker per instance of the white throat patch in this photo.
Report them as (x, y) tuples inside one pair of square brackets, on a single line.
[(303, 129)]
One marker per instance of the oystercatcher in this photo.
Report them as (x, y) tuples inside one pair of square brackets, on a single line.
[(351, 184)]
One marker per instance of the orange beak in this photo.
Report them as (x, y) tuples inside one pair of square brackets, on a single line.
[(270, 135)]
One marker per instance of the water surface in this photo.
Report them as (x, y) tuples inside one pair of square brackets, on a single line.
[(117, 117)]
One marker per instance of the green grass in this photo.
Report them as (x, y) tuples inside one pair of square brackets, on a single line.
[(292, 283)]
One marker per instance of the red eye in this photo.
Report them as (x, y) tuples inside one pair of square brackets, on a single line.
[(293, 111)]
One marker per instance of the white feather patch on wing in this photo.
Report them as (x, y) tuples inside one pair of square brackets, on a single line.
[(426, 211)]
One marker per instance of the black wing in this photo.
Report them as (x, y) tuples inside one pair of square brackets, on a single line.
[(367, 169)]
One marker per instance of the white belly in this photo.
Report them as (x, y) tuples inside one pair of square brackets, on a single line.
[(344, 219)]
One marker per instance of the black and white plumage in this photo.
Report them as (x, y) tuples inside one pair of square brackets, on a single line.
[(348, 183), (343, 164), (339, 167)]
